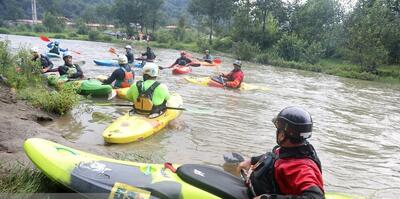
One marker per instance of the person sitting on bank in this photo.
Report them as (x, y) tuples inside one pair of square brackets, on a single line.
[(149, 96), (44, 60), (292, 169), (54, 48), (70, 69), (207, 57), (149, 54), (129, 54), (123, 76), (183, 60), (234, 78)]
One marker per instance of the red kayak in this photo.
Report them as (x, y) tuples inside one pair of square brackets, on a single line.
[(180, 70)]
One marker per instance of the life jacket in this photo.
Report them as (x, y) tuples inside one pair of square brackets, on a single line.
[(144, 104), (128, 79), (55, 50), (262, 180), (232, 76)]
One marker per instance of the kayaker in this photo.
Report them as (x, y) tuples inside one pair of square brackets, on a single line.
[(207, 57), (129, 54), (149, 96), (292, 169), (182, 61), (44, 60), (234, 78), (150, 56), (123, 76), (54, 47), (70, 69)]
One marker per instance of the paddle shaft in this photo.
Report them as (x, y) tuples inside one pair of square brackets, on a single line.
[(130, 105)]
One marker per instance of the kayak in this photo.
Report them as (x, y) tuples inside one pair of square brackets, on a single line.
[(91, 87), (204, 63), (131, 128), (87, 174), (53, 55), (121, 93), (207, 81), (180, 70), (145, 59), (113, 63), (94, 88)]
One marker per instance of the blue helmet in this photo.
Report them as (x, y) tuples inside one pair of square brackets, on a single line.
[(67, 54), (56, 42)]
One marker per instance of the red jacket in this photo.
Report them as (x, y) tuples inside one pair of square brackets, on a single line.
[(235, 78), (294, 175)]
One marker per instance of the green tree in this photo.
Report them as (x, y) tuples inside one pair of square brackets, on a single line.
[(213, 10), (53, 23)]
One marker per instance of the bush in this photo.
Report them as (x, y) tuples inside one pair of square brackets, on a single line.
[(60, 36), (73, 34), (245, 50), (290, 48), (263, 58), (4, 31), (82, 28), (313, 53), (107, 38), (53, 23), (164, 36), (39, 28), (94, 36), (224, 43), (203, 44)]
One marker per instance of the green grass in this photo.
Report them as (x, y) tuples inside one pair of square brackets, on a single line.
[(20, 179)]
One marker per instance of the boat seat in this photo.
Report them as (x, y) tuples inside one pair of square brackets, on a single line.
[(213, 180)]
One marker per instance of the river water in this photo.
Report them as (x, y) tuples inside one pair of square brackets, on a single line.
[(356, 130)]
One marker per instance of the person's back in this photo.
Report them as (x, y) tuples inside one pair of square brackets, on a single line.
[(123, 76), (156, 92), (129, 54)]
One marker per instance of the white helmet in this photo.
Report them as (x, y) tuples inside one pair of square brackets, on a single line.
[(35, 49), (128, 47), (150, 69), (122, 59), (66, 54)]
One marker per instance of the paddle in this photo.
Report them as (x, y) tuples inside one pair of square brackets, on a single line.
[(130, 105), (46, 39), (113, 51), (80, 63)]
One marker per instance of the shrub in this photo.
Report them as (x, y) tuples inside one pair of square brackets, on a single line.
[(94, 36), (263, 58), (82, 28), (60, 36), (53, 23), (224, 43), (4, 31), (203, 44), (164, 36), (39, 28), (73, 34), (313, 53), (107, 38), (245, 50), (290, 48)]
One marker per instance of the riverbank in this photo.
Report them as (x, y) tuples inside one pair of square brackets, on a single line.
[(342, 68)]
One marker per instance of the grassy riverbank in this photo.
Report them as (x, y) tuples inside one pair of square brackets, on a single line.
[(337, 67)]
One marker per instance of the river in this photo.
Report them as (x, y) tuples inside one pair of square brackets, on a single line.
[(356, 130)]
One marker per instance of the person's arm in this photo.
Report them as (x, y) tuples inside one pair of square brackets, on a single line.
[(63, 50), (313, 192), (116, 74), (235, 83), (175, 63), (62, 70), (50, 45)]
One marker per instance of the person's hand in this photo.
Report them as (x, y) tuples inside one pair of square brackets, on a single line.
[(244, 165)]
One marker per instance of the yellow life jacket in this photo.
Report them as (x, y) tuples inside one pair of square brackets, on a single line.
[(144, 104)]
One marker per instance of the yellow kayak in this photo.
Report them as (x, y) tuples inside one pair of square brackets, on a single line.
[(121, 92), (138, 127), (87, 173), (207, 81)]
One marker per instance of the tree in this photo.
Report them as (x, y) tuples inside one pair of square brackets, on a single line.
[(213, 10), (53, 23)]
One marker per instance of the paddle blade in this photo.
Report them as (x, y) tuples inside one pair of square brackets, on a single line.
[(75, 52), (217, 61), (44, 38), (112, 95), (233, 158), (112, 50)]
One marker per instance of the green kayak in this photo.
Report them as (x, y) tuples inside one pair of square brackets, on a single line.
[(91, 87)]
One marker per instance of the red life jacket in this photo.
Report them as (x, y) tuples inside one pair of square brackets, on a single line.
[(236, 75), (128, 79)]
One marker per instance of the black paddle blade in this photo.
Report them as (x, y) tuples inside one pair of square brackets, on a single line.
[(233, 158)]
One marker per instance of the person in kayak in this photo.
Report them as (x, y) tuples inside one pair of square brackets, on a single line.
[(182, 61), (234, 78), (129, 54), (123, 76), (44, 60), (207, 57), (55, 48), (149, 97), (150, 56), (292, 169), (70, 69)]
